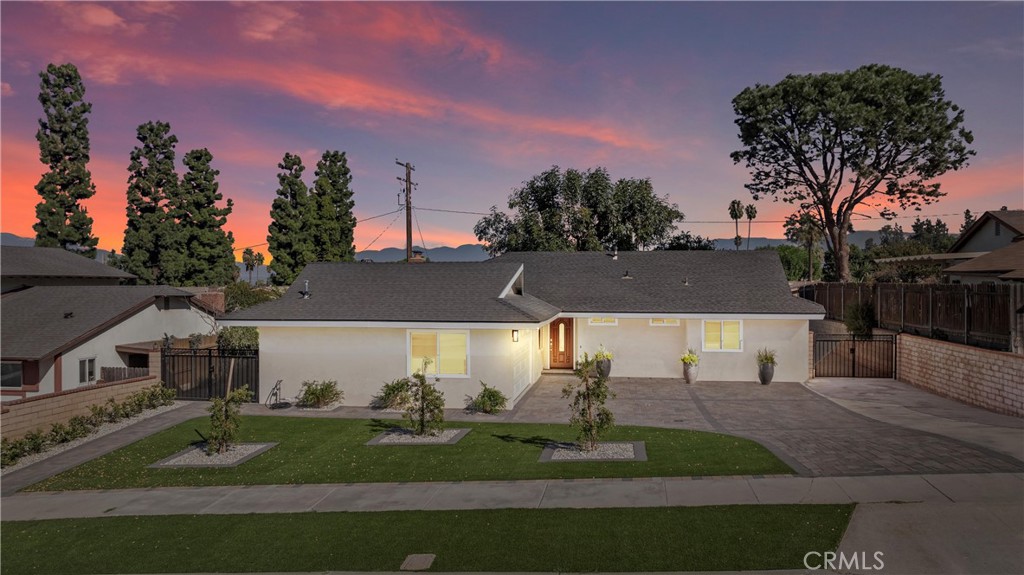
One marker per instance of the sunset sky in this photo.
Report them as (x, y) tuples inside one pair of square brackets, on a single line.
[(481, 96)]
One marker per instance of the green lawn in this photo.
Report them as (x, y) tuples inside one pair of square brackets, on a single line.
[(742, 537), (333, 451)]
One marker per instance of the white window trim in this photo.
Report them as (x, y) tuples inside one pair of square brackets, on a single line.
[(590, 321), (408, 352), (703, 342), (95, 375), (668, 322)]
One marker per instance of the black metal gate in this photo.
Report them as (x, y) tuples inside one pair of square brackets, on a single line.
[(840, 355), (203, 373)]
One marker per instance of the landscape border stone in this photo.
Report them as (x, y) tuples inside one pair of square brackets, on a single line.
[(165, 462), (379, 440), (639, 452)]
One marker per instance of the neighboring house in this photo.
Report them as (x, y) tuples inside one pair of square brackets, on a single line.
[(998, 266), (22, 267), (55, 338), (506, 320), (991, 231)]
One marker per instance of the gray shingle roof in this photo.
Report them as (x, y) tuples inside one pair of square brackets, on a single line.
[(52, 262), (33, 323), (720, 282), (426, 292)]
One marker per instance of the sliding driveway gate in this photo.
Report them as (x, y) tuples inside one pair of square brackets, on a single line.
[(840, 355)]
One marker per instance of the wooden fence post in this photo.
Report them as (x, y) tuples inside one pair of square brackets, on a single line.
[(967, 310), (931, 292), (903, 306)]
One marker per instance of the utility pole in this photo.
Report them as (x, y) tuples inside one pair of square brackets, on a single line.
[(409, 169)]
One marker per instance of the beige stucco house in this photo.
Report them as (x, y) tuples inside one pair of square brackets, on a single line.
[(508, 320)]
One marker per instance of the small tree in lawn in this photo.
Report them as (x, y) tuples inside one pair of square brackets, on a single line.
[(425, 411), (589, 415), (225, 419)]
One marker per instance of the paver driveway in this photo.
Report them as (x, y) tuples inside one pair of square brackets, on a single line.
[(814, 435)]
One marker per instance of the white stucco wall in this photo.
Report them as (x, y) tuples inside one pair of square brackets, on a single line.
[(642, 350), (638, 349), (787, 337), (149, 324), (361, 360)]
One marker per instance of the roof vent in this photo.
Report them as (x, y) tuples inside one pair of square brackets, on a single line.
[(69, 314), (305, 293), (626, 276), (686, 281), (615, 254)]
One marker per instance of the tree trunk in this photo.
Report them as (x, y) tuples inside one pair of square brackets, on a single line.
[(843, 257)]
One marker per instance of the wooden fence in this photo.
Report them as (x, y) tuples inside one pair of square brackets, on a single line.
[(979, 315), (112, 374)]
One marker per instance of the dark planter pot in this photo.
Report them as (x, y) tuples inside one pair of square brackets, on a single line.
[(765, 373), (604, 367)]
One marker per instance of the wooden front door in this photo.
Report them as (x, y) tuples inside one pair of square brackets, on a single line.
[(561, 343)]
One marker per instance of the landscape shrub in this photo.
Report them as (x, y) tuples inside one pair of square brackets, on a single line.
[(238, 338), (84, 425), (425, 410), (394, 395), (320, 393), (241, 295), (225, 419), (859, 318), (490, 399), (589, 393)]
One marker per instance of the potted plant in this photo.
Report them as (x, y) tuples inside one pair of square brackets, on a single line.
[(690, 360), (766, 365), (603, 360)]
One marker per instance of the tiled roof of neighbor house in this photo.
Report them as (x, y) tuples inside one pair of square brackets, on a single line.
[(1012, 219), (53, 262), (423, 292), (1005, 260), (41, 321), (706, 282)]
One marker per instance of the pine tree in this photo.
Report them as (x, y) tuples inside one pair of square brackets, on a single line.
[(64, 146), (209, 251), (333, 224), (289, 240), (153, 245)]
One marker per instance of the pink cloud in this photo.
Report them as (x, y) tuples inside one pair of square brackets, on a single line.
[(6, 89)]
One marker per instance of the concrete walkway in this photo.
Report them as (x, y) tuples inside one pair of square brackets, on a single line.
[(22, 478), (1003, 488), (900, 404)]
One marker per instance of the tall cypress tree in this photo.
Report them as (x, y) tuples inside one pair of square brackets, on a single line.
[(289, 241), (153, 245), (63, 137), (333, 224), (209, 249)]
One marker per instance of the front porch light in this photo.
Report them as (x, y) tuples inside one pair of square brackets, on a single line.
[(515, 336)]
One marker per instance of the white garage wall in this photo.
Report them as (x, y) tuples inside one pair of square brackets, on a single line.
[(787, 337)]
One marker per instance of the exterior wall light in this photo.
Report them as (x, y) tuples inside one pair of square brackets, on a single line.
[(515, 335)]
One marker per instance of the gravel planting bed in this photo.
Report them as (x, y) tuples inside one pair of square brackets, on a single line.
[(610, 451), (105, 429), (406, 437), (196, 456)]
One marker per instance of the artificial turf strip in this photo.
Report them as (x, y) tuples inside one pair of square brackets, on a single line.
[(315, 450), (738, 537)]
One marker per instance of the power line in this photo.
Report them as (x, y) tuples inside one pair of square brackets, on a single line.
[(361, 220), (386, 228), (423, 243), (453, 211)]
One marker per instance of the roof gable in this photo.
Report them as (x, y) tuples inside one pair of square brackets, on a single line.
[(398, 292), (1011, 219)]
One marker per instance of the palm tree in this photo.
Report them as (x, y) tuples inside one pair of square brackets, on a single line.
[(249, 260), (751, 211), (259, 264), (736, 212)]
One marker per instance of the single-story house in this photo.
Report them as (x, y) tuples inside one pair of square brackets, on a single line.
[(22, 267), (55, 338), (1003, 265), (507, 320)]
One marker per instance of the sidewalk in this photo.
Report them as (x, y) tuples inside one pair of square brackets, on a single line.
[(1003, 488)]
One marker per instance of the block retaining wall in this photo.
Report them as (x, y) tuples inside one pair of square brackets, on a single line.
[(990, 379), (21, 416)]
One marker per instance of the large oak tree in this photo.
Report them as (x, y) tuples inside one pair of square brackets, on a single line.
[(875, 137)]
